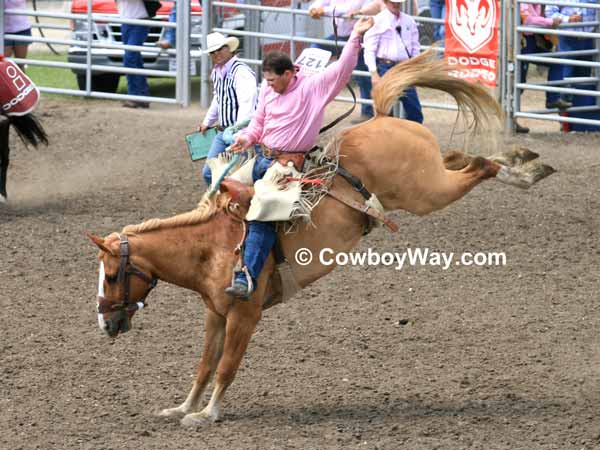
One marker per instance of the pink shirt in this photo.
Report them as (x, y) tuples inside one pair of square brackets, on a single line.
[(12, 22), (384, 41), (290, 122), (532, 15)]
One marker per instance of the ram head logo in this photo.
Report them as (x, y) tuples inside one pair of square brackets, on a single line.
[(472, 22)]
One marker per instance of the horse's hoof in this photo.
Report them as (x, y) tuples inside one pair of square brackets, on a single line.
[(171, 412), (513, 177), (196, 420)]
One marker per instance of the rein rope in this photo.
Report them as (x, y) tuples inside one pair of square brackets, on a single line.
[(351, 110)]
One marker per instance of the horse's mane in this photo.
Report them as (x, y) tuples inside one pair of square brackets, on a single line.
[(206, 209)]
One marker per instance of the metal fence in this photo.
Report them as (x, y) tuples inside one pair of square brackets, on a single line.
[(267, 24), (583, 89)]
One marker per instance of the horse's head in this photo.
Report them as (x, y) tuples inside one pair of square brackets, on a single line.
[(122, 286)]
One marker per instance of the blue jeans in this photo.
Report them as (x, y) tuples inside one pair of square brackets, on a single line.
[(261, 235), (438, 11), (135, 35), (567, 44), (170, 32), (555, 71), (218, 146), (364, 83), (410, 99)]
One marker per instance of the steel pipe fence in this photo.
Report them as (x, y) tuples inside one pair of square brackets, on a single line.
[(515, 89), (295, 30), (107, 50), (292, 38)]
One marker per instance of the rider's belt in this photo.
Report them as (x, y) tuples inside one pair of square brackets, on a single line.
[(388, 62), (283, 158)]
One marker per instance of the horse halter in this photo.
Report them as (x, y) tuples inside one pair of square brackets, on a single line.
[(126, 269)]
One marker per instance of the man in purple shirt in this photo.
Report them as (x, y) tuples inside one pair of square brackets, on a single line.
[(16, 24), (394, 38), (290, 111)]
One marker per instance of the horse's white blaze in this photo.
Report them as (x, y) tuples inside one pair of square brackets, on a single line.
[(101, 322)]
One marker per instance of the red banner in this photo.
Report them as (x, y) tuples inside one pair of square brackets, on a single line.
[(472, 39), (18, 94)]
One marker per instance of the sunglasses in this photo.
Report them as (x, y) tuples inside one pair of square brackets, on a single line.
[(217, 50)]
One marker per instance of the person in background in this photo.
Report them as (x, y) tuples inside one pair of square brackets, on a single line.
[(345, 9), (394, 38), (438, 11), (134, 35), (573, 14), (169, 35), (15, 24), (531, 15), (234, 92)]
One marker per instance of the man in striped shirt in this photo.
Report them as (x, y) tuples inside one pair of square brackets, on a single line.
[(234, 92)]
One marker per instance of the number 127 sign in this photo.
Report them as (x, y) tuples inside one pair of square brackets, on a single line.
[(313, 60)]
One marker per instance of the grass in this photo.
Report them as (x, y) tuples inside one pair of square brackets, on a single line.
[(65, 79)]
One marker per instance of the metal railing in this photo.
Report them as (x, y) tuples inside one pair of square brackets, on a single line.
[(115, 50), (564, 58)]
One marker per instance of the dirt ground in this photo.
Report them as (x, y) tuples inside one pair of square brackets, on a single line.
[(366, 358)]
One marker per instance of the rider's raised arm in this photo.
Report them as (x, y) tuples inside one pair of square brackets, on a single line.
[(332, 80)]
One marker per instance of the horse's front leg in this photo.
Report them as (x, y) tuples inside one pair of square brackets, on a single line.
[(214, 335), (241, 323)]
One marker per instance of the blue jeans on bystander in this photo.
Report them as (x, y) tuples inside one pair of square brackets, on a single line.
[(135, 35), (410, 99)]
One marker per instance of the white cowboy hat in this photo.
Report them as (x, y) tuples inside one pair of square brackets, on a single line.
[(214, 41), (397, 1)]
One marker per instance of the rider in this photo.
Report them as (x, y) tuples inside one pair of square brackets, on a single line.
[(290, 111), (234, 92)]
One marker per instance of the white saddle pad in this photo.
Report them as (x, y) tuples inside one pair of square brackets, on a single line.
[(275, 198)]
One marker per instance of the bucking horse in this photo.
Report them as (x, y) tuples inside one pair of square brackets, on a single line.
[(18, 97), (396, 160)]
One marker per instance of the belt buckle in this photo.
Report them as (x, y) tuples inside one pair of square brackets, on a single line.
[(268, 152)]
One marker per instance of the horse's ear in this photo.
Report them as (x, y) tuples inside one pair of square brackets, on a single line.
[(99, 242), (238, 191)]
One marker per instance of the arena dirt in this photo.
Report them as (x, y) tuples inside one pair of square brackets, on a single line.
[(366, 358)]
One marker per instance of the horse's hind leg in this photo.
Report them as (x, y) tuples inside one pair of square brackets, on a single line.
[(517, 167), (241, 323), (456, 160), (4, 152), (213, 348)]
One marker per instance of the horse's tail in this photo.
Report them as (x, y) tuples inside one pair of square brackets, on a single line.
[(427, 70), (29, 129)]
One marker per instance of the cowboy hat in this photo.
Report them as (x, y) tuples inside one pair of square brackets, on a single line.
[(397, 1), (214, 41)]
